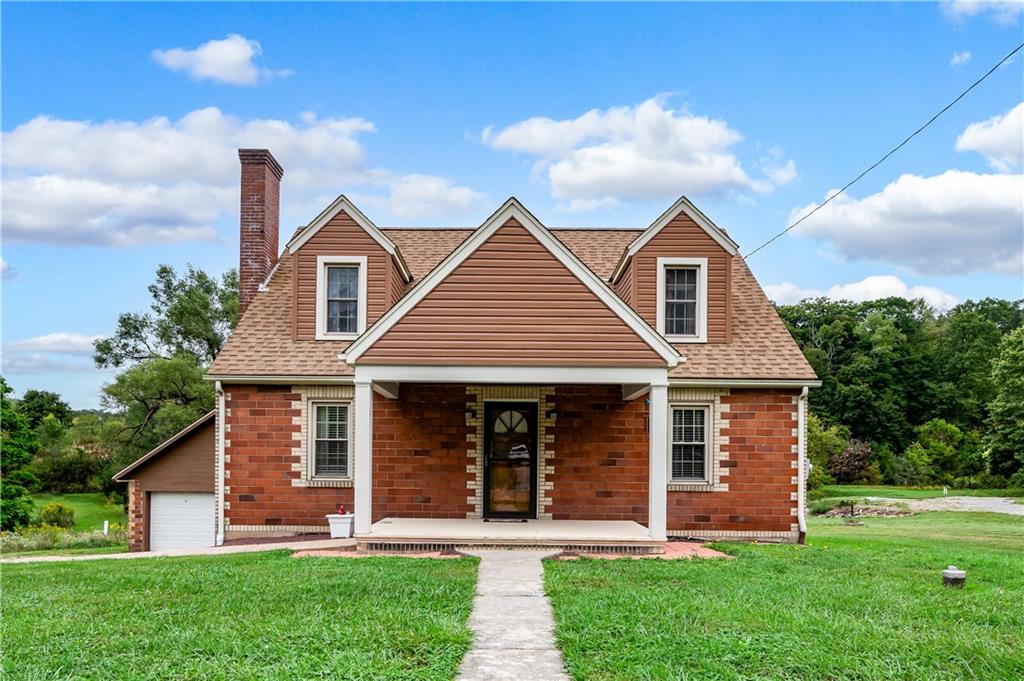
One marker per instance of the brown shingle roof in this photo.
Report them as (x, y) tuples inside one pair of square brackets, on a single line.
[(761, 346), (264, 345)]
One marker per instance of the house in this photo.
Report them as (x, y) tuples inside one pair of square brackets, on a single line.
[(597, 383)]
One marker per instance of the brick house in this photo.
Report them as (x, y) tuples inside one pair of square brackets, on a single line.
[(584, 380)]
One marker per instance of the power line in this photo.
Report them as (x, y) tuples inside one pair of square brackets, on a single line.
[(891, 151)]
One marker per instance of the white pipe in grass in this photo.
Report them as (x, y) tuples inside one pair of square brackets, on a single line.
[(801, 448), (220, 463)]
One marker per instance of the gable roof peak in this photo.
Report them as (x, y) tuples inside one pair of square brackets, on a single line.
[(513, 208), (343, 203), (681, 205)]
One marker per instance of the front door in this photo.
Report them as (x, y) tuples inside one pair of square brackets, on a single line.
[(510, 460)]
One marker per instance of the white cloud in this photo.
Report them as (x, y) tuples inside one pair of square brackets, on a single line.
[(225, 61), (632, 152), (6, 271), (1000, 11), (956, 222), (62, 342), (869, 288), (960, 58), (50, 353), (127, 183), (40, 364), (425, 196), (1000, 139)]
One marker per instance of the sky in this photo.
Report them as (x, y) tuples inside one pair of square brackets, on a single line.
[(120, 124)]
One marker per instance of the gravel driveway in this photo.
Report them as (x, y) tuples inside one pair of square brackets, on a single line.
[(985, 504)]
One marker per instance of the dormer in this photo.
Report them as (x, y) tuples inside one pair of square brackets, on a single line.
[(677, 275)]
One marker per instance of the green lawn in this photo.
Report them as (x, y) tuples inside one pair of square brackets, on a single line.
[(245, 616), (863, 602), (90, 509), (893, 492)]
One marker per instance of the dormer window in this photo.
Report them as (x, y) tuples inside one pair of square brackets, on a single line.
[(682, 299), (340, 297)]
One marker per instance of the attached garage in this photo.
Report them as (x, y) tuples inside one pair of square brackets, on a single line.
[(171, 491)]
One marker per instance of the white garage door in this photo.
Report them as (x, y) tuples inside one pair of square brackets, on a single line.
[(180, 520)]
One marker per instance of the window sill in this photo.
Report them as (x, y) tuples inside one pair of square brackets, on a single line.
[(336, 336), (686, 339), (690, 486), (329, 482)]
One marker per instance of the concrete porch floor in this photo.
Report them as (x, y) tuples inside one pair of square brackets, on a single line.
[(530, 533)]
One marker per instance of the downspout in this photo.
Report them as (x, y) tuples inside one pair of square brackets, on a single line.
[(801, 493), (220, 463)]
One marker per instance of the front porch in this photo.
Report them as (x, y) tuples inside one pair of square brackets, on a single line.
[(616, 536)]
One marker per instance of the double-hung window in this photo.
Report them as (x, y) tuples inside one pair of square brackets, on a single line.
[(682, 299), (329, 440), (340, 297), (691, 440)]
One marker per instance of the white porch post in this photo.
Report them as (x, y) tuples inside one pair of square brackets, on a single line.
[(363, 471), (658, 474)]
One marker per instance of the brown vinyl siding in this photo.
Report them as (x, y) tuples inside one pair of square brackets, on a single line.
[(512, 302), (396, 284), (340, 236), (625, 287), (185, 466), (682, 238)]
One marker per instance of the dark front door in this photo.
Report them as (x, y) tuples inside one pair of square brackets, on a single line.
[(510, 460)]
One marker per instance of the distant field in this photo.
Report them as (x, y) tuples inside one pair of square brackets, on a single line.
[(893, 492), (90, 509)]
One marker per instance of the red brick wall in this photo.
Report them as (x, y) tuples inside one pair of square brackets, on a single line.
[(261, 435), (759, 458), (419, 458), (136, 517), (600, 455), (599, 460), (419, 453)]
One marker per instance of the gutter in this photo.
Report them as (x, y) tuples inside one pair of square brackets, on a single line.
[(801, 447), (220, 463)]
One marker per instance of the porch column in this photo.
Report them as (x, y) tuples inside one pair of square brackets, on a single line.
[(658, 473), (363, 470)]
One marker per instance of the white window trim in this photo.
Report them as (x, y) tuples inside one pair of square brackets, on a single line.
[(709, 442), (702, 298), (311, 440), (322, 263)]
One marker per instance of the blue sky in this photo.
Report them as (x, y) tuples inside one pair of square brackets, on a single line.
[(120, 123)]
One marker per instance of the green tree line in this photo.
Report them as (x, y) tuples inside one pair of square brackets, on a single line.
[(161, 355), (911, 395)]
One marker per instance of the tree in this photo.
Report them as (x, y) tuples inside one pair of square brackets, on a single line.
[(19, 445), (165, 352), (1006, 410), (853, 464), (154, 400), (37, 404), (823, 444), (191, 315)]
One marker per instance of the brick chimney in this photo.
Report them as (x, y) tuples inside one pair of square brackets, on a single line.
[(260, 217)]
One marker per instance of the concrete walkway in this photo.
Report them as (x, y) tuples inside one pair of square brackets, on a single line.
[(207, 551), (513, 628)]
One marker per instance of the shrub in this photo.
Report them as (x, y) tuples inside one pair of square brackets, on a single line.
[(822, 444), (49, 537), (57, 515), (853, 463)]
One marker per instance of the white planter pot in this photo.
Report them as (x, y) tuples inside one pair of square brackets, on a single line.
[(341, 525)]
